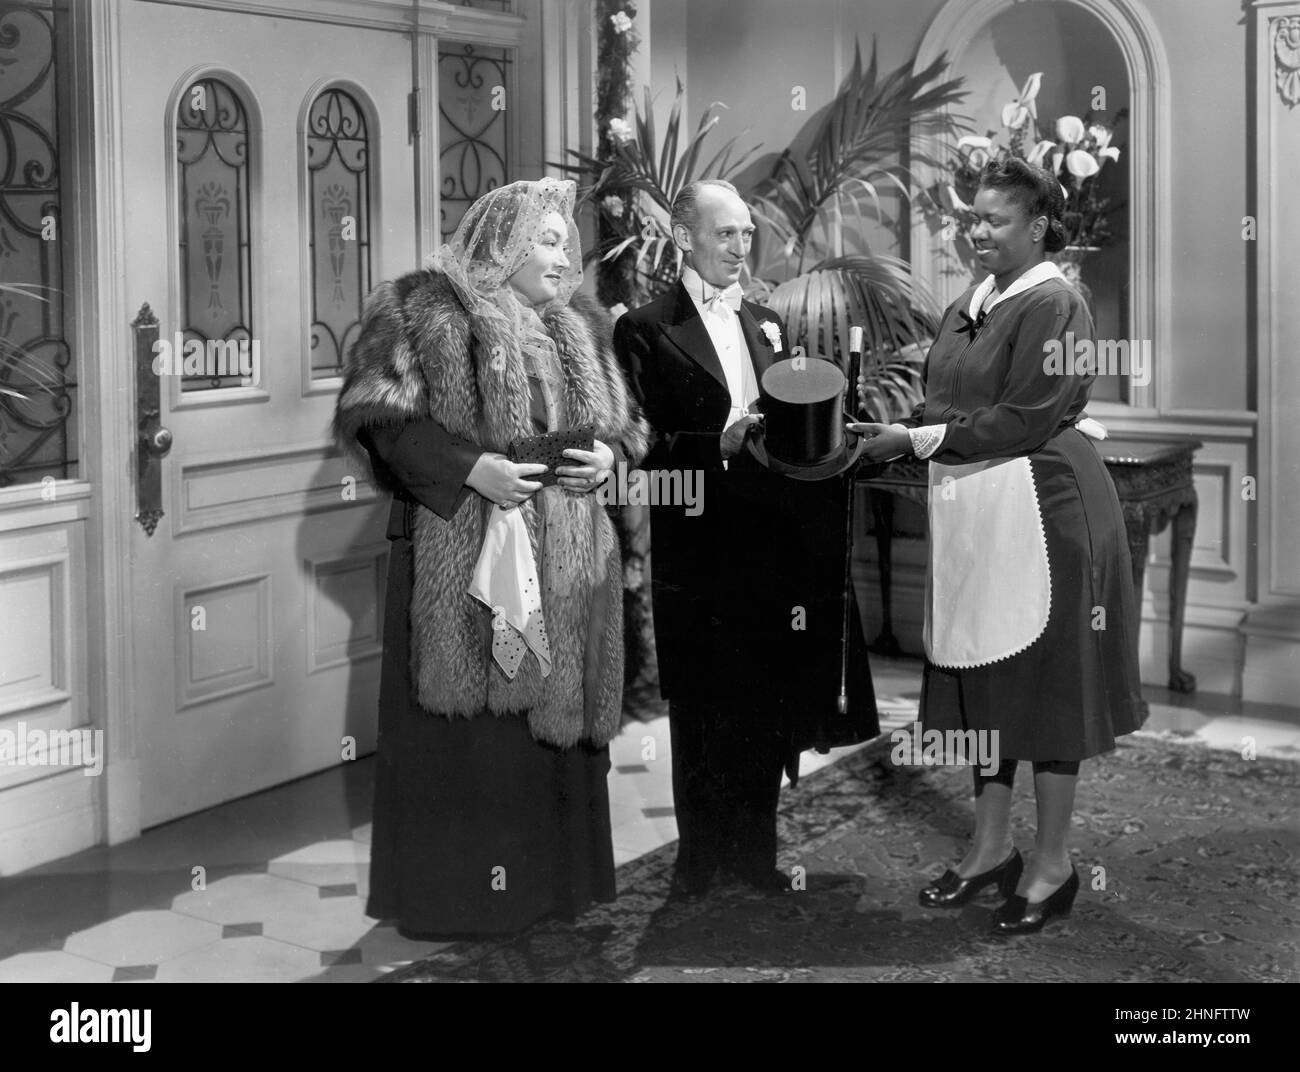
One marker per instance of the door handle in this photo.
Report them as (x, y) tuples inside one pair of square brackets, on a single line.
[(152, 440), (159, 442)]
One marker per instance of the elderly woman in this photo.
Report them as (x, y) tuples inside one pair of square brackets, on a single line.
[(1031, 620), (503, 663)]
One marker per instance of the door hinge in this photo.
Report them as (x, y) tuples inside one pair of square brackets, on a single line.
[(413, 112)]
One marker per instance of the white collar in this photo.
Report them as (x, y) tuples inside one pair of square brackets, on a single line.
[(698, 288), (1039, 273)]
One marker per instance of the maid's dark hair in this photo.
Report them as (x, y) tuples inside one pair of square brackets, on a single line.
[(1036, 191)]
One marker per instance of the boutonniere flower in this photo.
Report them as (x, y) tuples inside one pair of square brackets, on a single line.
[(773, 334)]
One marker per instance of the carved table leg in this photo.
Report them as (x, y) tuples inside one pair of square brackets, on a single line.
[(1182, 532), (882, 517), (1139, 543)]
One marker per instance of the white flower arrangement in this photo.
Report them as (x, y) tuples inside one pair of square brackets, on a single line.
[(1075, 156), (773, 334), (621, 131), (614, 206), (621, 22)]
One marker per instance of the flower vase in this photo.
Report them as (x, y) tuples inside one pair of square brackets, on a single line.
[(1070, 261)]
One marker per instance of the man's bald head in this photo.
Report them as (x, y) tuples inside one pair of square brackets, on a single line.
[(712, 227)]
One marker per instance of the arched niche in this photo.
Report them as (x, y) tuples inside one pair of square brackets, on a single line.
[(1078, 44)]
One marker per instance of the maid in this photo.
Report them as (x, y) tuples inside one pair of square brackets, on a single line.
[(1031, 619)]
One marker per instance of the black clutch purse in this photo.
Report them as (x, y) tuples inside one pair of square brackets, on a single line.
[(548, 450)]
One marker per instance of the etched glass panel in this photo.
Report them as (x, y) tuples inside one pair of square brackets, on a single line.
[(338, 165), (212, 149), (473, 130), (37, 376)]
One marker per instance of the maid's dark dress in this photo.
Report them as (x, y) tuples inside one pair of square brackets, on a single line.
[(1032, 623), (456, 799)]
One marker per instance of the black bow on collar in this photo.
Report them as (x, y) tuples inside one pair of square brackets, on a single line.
[(970, 325)]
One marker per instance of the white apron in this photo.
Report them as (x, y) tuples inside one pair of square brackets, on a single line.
[(988, 588)]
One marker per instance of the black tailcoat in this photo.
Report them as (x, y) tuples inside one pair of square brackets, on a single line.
[(748, 594)]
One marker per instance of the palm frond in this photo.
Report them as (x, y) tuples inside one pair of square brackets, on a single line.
[(864, 135)]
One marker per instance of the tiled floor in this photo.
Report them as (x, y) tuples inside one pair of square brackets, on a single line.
[(273, 887)]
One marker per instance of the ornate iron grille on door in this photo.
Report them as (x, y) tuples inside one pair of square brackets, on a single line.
[(212, 149), (37, 376), (338, 164), (473, 126)]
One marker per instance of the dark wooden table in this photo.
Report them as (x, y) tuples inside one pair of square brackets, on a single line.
[(1153, 479)]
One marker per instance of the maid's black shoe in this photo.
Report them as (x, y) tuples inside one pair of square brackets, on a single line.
[(952, 891), (1018, 916)]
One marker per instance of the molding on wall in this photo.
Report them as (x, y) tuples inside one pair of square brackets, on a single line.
[(958, 22), (428, 163), (23, 496), (1230, 425), (110, 382), (429, 16), (1277, 128)]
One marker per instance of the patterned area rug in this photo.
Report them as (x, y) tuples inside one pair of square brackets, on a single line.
[(1188, 858)]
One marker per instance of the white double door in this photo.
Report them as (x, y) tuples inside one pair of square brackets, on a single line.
[(257, 601)]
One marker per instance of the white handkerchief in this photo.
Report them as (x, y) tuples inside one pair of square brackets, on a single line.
[(505, 580)]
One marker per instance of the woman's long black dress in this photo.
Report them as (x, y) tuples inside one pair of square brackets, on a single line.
[(478, 828)]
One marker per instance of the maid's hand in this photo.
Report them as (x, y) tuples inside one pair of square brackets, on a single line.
[(884, 441), (592, 470)]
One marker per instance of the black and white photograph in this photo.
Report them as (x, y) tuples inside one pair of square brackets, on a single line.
[(651, 491)]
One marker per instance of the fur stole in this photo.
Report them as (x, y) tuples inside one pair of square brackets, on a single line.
[(420, 353)]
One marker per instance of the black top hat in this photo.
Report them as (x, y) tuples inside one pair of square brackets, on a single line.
[(802, 435)]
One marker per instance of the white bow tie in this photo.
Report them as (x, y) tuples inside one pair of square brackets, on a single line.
[(730, 297)]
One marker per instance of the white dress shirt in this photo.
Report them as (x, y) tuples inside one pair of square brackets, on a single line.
[(723, 325)]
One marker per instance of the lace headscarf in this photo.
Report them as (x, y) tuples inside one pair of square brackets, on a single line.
[(494, 239), (496, 236)]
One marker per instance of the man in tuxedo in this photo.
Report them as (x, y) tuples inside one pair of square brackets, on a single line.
[(747, 592)]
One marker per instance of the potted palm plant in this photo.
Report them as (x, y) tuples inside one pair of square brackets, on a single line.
[(814, 207), (632, 189), (818, 205)]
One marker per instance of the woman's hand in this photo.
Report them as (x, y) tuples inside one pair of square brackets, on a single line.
[(884, 441), (593, 469), (502, 481)]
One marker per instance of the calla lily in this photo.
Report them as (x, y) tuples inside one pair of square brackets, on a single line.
[(1057, 157), (957, 202), (1100, 135), (1069, 128), (1082, 165), (1039, 151), (1109, 153), (1065, 193), (1023, 107), (976, 149)]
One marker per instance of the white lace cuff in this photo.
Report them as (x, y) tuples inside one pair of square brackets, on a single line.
[(926, 439)]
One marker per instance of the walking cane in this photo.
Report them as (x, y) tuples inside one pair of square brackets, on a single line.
[(855, 362)]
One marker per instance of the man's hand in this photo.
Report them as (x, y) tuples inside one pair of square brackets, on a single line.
[(884, 441), (593, 469), (733, 439), (502, 481)]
